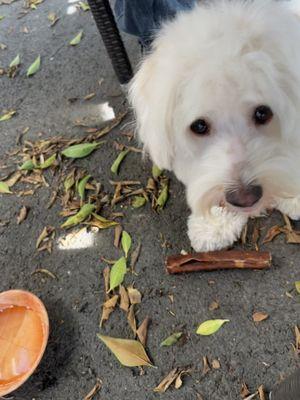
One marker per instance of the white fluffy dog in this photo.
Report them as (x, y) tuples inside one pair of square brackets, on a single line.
[(217, 101)]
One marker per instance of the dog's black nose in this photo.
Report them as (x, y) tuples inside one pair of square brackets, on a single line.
[(244, 196)]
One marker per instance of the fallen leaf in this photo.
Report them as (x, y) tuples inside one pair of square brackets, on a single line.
[(28, 165), (126, 242), (211, 326), (272, 233), (45, 233), (2, 17), (15, 62), (53, 18), (106, 274), (81, 150), (167, 381), (297, 286), (259, 316), (244, 234), (261, 393), (214, 305), (130, 353), (13, 179), (255, 237), (70, 180), (206, 366), (116, 164), (117, 235), (84, 6), (138, 201), (22, 214), (178, 381), (156, 172), (142, 331), (85, 211), (117, 273), (163, 196), (3, 46), (89, 96), (215, 364), (244, 391), (45, 272), (7, 116), (297, 342), (34, 67), (81, 186), (135, 296), (94, 390), (124, 302), (100, 222), (108, 307), (77, 39), (172, 339), (131, 319), (134, 257), (48, 163), (291, 235), (4, 188)]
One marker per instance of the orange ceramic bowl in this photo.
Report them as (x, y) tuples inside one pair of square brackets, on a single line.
[(24, 330)]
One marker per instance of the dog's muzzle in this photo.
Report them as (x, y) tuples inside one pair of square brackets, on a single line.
[(244, 196)]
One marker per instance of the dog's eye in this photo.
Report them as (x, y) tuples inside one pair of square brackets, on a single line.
[(200, 127), (262, 115)]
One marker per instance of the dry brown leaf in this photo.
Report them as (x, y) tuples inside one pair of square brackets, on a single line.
[(44, 234), (255, 237), (290, 235), (178, 381), (206, 366), (46, 272), (94, 391), (89, 96), (13, 179), (142, 331), (297, 341), (244, 391), (261, 393), (244, 234), (215, 364), (124, 302), (25, 193), (108, 308), (130, 353), (259, 316), (214, 305), (131, 319), (272, 233), (118, 233), (135, 296), (135, 256), (167, 381), (106, 274), (22, 215)]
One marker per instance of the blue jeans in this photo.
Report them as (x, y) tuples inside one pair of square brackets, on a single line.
[(143, 18)]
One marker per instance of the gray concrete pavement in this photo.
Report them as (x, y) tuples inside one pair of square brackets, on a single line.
[(255, 354)]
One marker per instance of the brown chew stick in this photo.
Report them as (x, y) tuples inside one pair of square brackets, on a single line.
[(214, 260)]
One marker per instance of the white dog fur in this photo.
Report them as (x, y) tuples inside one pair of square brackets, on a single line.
[(219, 62)]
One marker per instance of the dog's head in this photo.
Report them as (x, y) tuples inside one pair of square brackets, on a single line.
[(218, 102)]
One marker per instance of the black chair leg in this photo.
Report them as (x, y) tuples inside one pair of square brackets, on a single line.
[(111, 37)]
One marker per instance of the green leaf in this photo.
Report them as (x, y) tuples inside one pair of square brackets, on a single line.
[(130, 353), (297, 286), (85, 211), (163, 197), (2, 17), (138, 201), (84, 6), (47, 163), (34, 67), (81, 186), (7, 116), (77, 39), (116, 164), (172, 339), (28, 165), (80, 150), (15, 62), (4, 188), (211, 326), (117, 273), (156, 172), (69, 181), (126, 242)]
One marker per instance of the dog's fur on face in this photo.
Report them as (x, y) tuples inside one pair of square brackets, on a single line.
[(218, 63)]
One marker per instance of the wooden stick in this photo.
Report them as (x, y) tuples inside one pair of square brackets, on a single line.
[(216, 260)]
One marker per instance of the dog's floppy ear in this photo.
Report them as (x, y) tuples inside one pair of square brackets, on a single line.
[(151, 95)]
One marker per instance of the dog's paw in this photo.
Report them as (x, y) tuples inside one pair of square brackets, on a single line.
[(216, 231), (290, 207)]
